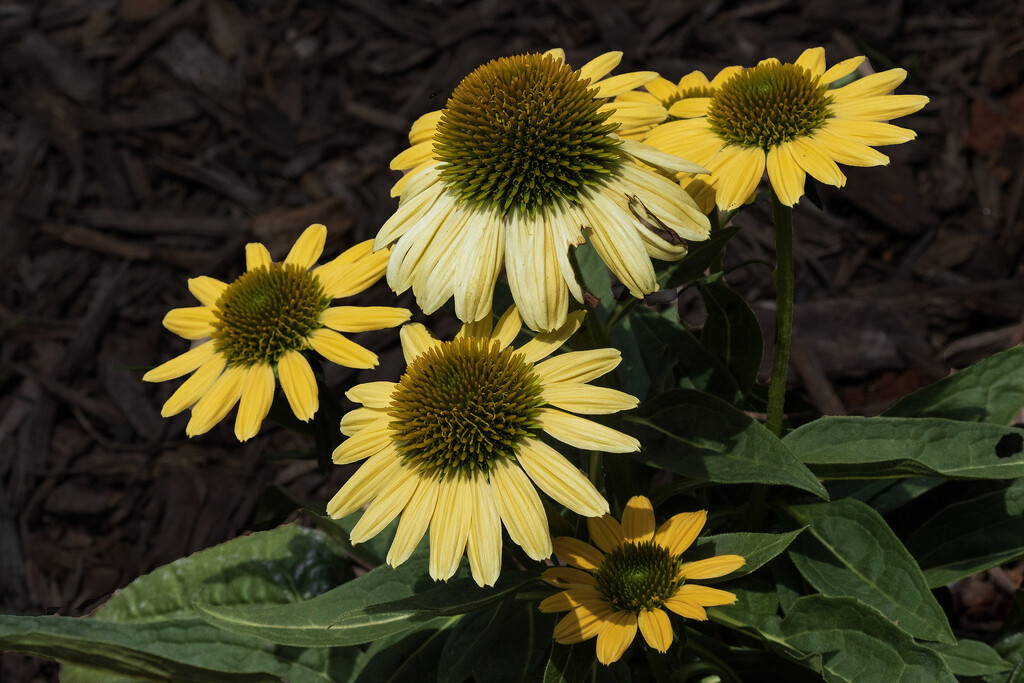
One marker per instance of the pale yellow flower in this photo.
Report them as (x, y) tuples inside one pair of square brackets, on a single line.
[(524, 160), (786, 119), (455, 444), (254, 330), (627, 582)]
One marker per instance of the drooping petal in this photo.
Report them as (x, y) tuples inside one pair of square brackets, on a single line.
[(192, 389), (585, 434), (616, 635), (582, 623), (449, 529), (388, 504), (738, 177), (308, 247), (299, 385), (183, 364), (484, 545), (363, 486), (254, 405), (558, 478), (341, 350), (415, 520), (363, 318), (656, 628), (520, 509), (217, 402), (786, 176), (477, 272), (533, 273)]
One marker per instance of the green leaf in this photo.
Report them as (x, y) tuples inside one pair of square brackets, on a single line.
[(1011, 648), (886, 447), (971, 536), (153, 624), (674, 357), (578, 664), (595, 278), (524, 640), (381, 603), (756, 549), (885, 495), (850, 551), (970, 658), (412, 656), (855, 644), (991, 390), (471, 641), (733, 333), (698, 259), (700, 436), (632, 372)]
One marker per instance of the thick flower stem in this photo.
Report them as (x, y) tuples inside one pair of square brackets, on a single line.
[(782, 217)]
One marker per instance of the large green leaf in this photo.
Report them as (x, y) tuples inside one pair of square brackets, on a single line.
[(150, 629), (381, 603), (412, 656), (885, 447), (842, 639), (971, 536), (849, 551), (991, 390), (700, 436), (970, 658), (733, 333), (674, 357), (756, 549), (884, 495)]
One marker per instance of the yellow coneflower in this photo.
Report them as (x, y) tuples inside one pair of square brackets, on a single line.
[(258, 326), (785, 118), (455, 444), (628, 581), (524, 157)]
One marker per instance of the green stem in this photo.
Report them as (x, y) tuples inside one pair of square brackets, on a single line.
[(782, 216), (717, 262)]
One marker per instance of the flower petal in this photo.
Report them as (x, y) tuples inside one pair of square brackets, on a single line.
[(388, 504), (656, 628), (738, 176), (558, 478), (181, 365), (363, 318), (616, 636), (344, 278), (704, 595), (192, 389), (813, 159), (582, 623), (449, 529), (415, 520), (370, 441), (605, 532), (568, 577), (570, 599), (840, 70), (416, 339), (308, 247), (712, 567), (363, 486), (256, 256), (206, 289), (507, 328), (686, 608), (585, 434), (257, 395), (616, 85), (638, 520), (786, 175), (812, 59), (577, 366), (194, 322), (341, 350), (546, 343), (218, 401), (476, 272), (299, 384), (520, 509), (355, 421), (680, 531), (600, 66), (372, 394), (588, 400), (534, 275), (484, 545), (576, 553)]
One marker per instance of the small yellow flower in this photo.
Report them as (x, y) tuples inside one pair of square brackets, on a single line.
[(455, 443), (787, 119), (683, 100), (524, 157), (256, 328), (626, 585)]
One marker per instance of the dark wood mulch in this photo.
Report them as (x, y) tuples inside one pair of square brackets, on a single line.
[(146, 141)]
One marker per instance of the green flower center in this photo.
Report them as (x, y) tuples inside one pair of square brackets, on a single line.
[(266, 312), (767, 105), (462, 405), (638, 576), (524, 132)]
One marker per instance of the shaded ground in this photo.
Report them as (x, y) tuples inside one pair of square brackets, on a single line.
[(146, 141)]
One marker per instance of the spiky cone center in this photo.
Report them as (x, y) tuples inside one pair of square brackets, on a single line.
[(266, 312), (463, 405), (767, 105), (637, 576), (523, 133)]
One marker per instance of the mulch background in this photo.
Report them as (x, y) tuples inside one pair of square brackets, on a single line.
[(143, 142)]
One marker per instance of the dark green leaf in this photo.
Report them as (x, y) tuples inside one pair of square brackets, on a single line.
[(633, 375), (971, 536), (1011, 648), (595, 278), (700, 436), (412, 656), (733, 333), (524, 640), (698, 259), (885, 495), (970, 658), (674, 357), (756, 549), (471, 641), (457, 596), (849, 551), (991, 391), (880, 447)]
